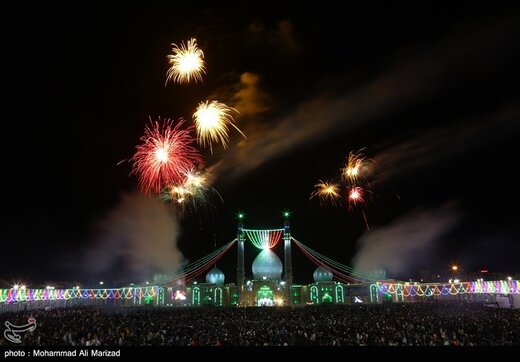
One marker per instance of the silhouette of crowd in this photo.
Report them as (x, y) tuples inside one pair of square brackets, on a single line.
[(411, 324)]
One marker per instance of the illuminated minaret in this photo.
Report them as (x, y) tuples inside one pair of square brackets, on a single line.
[(240, 259), (287, 258)]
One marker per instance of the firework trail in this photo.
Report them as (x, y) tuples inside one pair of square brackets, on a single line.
[(165, 155), (356, 197), (327, 192), (212, 121), (186, 63)]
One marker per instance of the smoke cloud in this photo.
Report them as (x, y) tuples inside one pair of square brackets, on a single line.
[(136, 239), (445, 142), (400, 85), (407, 242), (249, 99)]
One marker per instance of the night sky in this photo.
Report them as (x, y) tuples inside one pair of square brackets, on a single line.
[(431, 90)]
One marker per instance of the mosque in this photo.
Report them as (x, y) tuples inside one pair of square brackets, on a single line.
[(267, 288), (272, 282)]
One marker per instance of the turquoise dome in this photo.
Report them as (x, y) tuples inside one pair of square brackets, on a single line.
[(215, 276), (322, 275), (378, 273), (267, 265)]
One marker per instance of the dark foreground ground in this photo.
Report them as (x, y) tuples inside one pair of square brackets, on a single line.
[(372, 325)]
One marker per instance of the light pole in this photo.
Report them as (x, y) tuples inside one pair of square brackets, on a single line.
[(454, 268)]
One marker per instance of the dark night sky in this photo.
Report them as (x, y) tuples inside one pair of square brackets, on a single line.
[(431, 91)]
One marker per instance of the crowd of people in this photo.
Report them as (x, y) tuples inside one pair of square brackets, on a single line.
[(403, 324)]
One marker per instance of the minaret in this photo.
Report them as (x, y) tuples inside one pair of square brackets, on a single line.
[(287, 259), (240, 259)]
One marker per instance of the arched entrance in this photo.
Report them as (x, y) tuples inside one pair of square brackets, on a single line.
[(327, 298), (264, 296)]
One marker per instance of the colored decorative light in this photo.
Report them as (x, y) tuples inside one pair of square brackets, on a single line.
[(264, 239)]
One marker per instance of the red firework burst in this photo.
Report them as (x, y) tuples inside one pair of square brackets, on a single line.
[(165, 156), (355, 195)]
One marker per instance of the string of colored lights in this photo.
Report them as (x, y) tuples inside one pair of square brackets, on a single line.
[(190, 276), (196, 268), (32, 295), (200, 262), (437, 289), (264, 239), (359, 276), (426, 289), (409, 290), (185, 274), (339, 275), (336, 268)]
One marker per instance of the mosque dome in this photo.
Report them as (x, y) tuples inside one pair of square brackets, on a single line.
[(215, 276), (267, 265), (322, 275), (378, 273)]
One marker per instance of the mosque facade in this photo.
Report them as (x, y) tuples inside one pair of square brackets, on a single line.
[(271, 284)]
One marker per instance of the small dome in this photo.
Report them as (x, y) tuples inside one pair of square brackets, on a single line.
[(215, 276), (378, 273), (267, 265), (322, 275)]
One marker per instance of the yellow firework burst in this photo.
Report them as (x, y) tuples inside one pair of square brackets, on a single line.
[(326, 192), (354, 166), (186, 63), (211, 122)]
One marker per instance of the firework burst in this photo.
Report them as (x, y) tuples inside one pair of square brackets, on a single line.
[(192, 193), (326, 192), (354, 186), (355, 195), (186, 63), (356, 162), (212, 121), (165, 155)]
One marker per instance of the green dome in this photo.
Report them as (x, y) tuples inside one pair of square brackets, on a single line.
[(267, 265), (215, 276)]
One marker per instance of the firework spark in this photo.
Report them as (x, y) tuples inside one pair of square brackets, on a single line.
[(212, 120), (193, 192), (326, 192), (354, 166), (186, 63), (195, 180), (165, 155)]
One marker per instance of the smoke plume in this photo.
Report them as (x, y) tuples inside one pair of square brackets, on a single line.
[(407, 242), (136, 239)]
